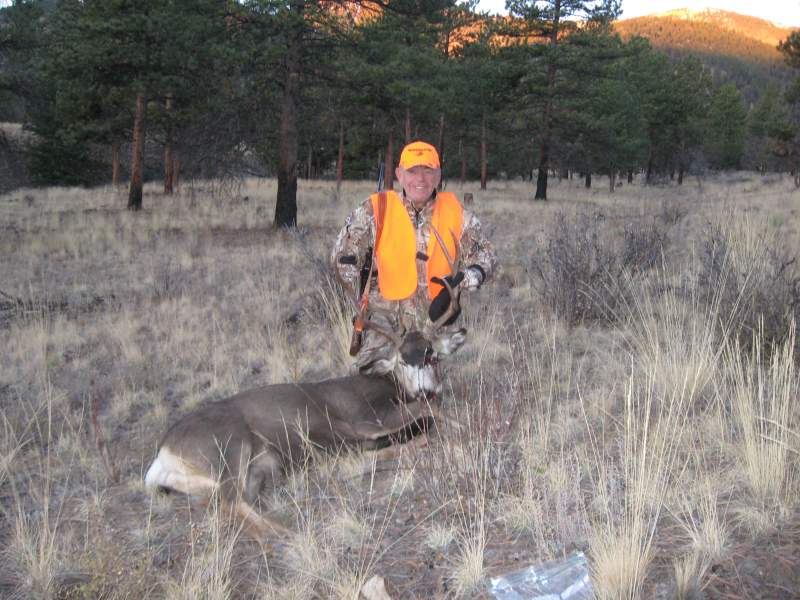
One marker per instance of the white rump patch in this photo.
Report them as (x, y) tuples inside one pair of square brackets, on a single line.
[(170, 471)]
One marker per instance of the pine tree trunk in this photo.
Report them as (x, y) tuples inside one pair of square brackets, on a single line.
[(795, 172), (137, 152), (309, 163), (169, 165), (649, 177), (286, 201), (630, 175), (587, 182), (176, 170), (340, 157), (612, 181), (168, 161), (408, 125), (484, 161), (463, 160), (440, 140), (544, 148), (680, 175), (388, 169), (115, 163)]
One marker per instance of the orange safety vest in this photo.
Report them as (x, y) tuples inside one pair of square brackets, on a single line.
[(396, 252)]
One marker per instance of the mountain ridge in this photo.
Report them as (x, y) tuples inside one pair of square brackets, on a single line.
[(763, 30), (709, 30)]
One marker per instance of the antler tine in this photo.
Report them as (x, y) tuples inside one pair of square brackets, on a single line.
[(452, 308), (360, 307), (455, 295), (387, 333), (453, 263)]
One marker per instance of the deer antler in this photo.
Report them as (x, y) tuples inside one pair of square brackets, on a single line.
[(455, 295), (361, 322), (385, 332)]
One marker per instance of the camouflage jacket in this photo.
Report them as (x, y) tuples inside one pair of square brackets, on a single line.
[(353, 247)]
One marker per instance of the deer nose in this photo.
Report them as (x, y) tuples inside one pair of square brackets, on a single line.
[(431, 358)]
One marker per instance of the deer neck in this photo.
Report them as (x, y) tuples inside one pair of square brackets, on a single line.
[(350, 396)]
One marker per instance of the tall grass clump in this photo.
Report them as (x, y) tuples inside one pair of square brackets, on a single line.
[(207, 573), (630, 488), (762, 395), (35, 555), (583, 271), (675, 336), (463, 473), (676, 343), (338, 310)]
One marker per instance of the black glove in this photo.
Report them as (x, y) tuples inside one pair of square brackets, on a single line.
[(442, 300)]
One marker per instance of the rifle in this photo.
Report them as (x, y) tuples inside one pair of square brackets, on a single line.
[(381, 176), (358, 323)]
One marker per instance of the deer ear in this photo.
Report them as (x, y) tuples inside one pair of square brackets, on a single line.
[(445, 344), (379, 366)]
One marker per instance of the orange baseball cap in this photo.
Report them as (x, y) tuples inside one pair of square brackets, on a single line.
[(419, 153)]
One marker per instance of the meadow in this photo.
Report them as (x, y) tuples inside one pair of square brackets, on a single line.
[(628, 389)]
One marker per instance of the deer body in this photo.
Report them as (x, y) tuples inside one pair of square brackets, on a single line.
[(242, 443), (255, 436)]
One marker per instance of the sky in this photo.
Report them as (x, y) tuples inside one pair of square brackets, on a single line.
[(781, 12)]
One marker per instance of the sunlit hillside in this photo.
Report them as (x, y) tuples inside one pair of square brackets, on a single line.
[(709, 31)]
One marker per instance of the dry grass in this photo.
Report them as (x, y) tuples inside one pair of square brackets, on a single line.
[(654, 440), (763, 427)]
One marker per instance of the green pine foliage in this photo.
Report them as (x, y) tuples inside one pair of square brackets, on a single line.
[(272, 88), (726, 130)]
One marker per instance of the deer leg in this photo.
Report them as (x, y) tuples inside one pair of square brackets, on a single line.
[(257, 524), (392, 452), (264, 468), (245, 477), (440, 419)]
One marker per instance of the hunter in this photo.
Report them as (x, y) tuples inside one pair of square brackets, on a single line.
[(405, 288)]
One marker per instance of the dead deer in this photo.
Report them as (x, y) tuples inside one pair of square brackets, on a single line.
[(237, 445)]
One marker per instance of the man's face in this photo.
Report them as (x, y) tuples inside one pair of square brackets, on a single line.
[(419, 183)]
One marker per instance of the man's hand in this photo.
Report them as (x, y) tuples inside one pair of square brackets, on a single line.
[(442, 300), (473, 277)]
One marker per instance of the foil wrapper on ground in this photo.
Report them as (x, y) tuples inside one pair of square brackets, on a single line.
[(566, 579)]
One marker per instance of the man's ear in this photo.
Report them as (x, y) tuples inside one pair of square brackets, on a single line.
[(379, 366)]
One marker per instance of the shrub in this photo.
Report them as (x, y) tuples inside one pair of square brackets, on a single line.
[(750, 276), (583, 272)]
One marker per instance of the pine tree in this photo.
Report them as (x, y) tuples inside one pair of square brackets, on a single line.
[(610, 126), (726, 128), (787, 135), (550, 19)]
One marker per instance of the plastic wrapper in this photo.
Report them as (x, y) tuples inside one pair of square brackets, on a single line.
[(566, 579)]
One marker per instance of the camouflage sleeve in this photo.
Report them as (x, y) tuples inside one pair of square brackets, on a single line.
[(476, 249), (354, 240)]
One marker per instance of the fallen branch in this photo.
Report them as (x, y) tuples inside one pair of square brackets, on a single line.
[(11, 298), (14, 306)]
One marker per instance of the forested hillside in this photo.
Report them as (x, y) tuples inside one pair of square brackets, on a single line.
[(119, 92), (710, 31), (736, 48)]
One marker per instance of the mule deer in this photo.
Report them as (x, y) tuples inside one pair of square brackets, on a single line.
[(240, 444)]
